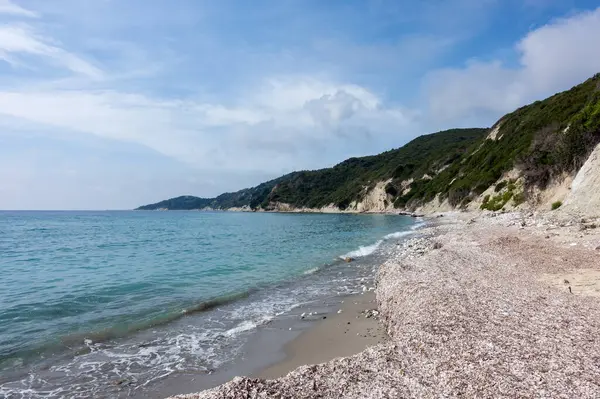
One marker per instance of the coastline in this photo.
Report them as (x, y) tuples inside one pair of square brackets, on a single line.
[(207, 342), (472, 308), (339, 335)]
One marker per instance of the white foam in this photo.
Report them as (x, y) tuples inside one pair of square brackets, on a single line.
[(363, 251), (311, 271), (418, 225), (369, 249), (243, 326), (398, 234)]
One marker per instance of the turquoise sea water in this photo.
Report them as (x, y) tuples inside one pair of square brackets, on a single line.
[(90, 297)]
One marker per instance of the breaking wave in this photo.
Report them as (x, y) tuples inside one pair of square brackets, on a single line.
[(370, 249)]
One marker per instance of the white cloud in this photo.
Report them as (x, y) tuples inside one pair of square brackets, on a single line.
[(17, 40), (553, 57), (8, 7), (284, 112), (563, 52)]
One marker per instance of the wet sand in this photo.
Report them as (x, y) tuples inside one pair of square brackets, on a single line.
[(339, 335), (291, 341)]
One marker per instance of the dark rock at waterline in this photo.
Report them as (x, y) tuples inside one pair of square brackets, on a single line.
[(411, 214)]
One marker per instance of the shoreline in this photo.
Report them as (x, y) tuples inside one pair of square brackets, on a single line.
[(482, 304), (294, 340), (339, 335), (325, 211)]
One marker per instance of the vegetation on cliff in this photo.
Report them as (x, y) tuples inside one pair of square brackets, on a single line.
[(542, 140), (346, 182)]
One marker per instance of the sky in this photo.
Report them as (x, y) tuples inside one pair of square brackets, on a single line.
[(111, 104)]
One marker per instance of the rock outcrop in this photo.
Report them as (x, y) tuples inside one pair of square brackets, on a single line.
[(584, 196)]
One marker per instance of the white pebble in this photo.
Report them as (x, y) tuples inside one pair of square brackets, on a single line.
[(339, 311)]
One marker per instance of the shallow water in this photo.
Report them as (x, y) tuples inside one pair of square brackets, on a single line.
[(92, 302)]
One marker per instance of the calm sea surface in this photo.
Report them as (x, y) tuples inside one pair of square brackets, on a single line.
[(94, 301)]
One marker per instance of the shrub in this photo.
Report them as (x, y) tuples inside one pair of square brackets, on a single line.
[(518, 198), (391, 190), (500, 186), (556, 205), (497, 202)]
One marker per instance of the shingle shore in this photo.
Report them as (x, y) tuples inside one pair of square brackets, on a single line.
[(469, 316)]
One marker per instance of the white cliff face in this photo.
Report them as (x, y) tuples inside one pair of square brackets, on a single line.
[(584, 196), (376, 200), (581, 195), (494, 133), (435, 206)]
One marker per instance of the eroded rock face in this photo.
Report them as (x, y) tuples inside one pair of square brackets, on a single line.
[(584, 197)]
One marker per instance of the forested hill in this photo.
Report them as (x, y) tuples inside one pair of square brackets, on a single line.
[(535, 145), (345, 182)]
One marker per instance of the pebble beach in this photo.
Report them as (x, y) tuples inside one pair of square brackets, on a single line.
[(479, 305)]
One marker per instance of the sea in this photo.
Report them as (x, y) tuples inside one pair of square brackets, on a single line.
[(121, 304)]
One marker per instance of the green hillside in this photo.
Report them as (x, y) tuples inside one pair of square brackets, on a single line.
[(542, 140), (344, 182)]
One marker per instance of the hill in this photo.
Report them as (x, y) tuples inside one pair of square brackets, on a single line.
[(344, 183), (522, 155)]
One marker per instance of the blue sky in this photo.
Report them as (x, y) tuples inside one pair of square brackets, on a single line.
[(110, 104)]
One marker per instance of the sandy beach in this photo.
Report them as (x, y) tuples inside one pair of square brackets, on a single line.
[(340, 334), (483, 305)]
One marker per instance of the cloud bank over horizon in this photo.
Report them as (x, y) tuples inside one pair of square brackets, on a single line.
[(110, 105)]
